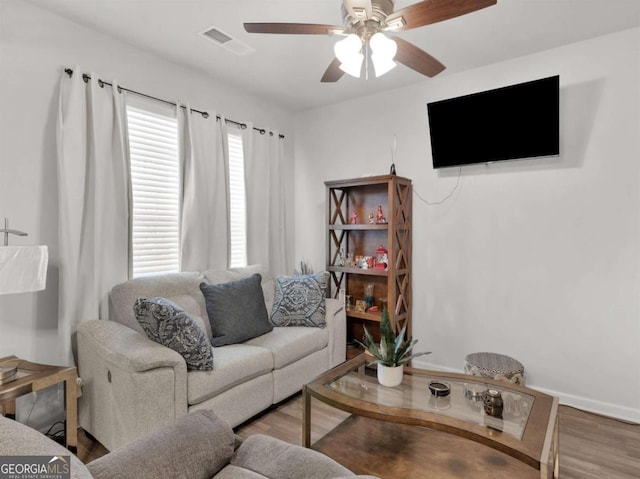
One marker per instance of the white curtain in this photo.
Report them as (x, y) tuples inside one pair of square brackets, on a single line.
[(267, 233), (93, 201), (204, 229)]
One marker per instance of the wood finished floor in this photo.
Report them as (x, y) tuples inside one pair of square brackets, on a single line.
[(591, 446)]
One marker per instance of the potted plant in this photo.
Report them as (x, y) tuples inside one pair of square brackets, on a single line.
[(392, 353)]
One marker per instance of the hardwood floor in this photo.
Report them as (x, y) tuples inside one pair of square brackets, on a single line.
[(591, 446), (88, 448)]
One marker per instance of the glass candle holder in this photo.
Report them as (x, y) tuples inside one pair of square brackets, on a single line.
[(368, 294)]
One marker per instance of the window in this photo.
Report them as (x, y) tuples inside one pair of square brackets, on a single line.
[(155, 182), (237, 200)]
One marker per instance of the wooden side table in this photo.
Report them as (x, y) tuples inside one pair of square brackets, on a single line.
[(33, 377)]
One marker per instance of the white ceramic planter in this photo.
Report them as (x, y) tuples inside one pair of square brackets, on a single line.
[(390, 377)]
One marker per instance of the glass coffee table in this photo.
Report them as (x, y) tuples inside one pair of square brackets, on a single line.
[(527, 429)]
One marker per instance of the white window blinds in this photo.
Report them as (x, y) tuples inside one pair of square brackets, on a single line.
[(237, 200), (155, 181)]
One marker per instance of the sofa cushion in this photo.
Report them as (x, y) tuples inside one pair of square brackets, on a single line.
[(166, 323), (235, 364), (214, 276), (236, 310), (196, 446), (235, 472), (274, 458), (292, 343), (300, 300), (181, 288)]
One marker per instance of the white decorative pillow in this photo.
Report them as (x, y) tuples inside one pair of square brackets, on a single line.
[(300, 300)]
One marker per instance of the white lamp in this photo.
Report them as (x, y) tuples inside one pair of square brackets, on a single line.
[(349, 52), (383, 52), (22, 269)]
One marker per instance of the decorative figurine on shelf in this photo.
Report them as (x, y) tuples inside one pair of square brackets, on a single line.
[(382, 258), (354, 218), (392, 170), (380, 219), (371, 221)]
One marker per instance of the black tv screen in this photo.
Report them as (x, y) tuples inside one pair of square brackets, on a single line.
[(518, 121)]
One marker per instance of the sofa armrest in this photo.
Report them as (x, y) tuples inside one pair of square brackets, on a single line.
[(336, 318), (195, 446), (272, 457), (130, 385), (126, 348)]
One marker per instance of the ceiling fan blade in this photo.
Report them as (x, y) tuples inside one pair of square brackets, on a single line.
[(433, 11), (415, 58), (333, 73), (293, 28)]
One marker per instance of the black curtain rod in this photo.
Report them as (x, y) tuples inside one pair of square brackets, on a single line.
[(102, 83)]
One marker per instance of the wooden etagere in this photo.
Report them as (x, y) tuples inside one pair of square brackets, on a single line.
[(363, 196)]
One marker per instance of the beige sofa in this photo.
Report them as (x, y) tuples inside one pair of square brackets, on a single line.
[(197, 446), (130, 384)]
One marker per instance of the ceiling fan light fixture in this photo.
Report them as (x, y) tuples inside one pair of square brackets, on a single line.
[(353, 66), (383, 51), (383, 46), (382, 65), (348, 47), (349, 52)]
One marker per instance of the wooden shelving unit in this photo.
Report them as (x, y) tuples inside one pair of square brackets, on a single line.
[(363, 196)]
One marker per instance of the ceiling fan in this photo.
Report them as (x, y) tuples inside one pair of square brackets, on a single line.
[(365, 25)]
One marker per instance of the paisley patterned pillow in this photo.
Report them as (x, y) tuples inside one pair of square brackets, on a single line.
[(168, 324), (300, 300)]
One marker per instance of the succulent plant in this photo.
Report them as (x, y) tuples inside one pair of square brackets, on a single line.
[(305, 268), (393, 349)]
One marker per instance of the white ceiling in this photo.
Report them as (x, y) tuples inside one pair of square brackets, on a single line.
[(287, 68)]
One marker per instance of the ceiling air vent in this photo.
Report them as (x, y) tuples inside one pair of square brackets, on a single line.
[(227, 41)]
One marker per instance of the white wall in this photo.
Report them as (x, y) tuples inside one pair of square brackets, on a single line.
[(537, 259), (35, 46)]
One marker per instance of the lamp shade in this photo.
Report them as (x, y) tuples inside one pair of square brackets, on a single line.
[(23, 268), (383, 51), (349, 52)]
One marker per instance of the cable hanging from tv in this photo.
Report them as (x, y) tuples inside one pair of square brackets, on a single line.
[(439, 202)]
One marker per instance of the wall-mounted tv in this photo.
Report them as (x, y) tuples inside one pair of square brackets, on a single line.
[(513, 122)]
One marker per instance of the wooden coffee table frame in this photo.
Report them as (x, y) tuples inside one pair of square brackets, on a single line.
[(538, 447), (35, 377)]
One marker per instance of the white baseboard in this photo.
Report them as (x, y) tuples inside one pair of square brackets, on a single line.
[(591, 405), (416, 363), (616, 411)]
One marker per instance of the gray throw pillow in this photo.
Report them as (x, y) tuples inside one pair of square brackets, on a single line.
[(236, 310), (166, 323), (300, 300)]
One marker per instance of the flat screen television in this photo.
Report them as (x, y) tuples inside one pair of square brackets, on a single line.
[(513, 122)]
